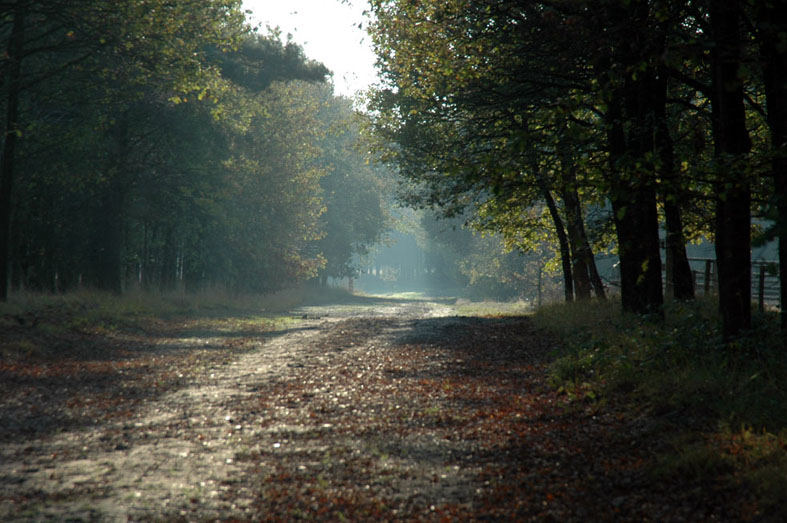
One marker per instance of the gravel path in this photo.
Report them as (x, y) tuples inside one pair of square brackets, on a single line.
[(178, 452)]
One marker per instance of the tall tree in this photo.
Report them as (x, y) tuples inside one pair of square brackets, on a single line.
[(626, 65), (11, 131), (142, 163), (771, 25), (733, 190), (353, 190), (470, 79), (122, 50)]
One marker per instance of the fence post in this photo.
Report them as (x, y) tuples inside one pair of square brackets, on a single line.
[(761, 289), (708, 266)]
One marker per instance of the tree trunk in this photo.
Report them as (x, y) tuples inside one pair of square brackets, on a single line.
[(584, 262), (680, 280), (168, 261), (771, 23), (11, 128), (107, 252), (731, 144), (108, 242), (633, 199), (595, 278), (575, 228), (631, 110), (636, 221), (565, 251)]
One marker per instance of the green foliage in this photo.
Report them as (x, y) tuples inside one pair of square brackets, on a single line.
[(270, 202), (694, 460), (166, 145), (353, 190), (495, 109), (680, 366), (482, 264), (259, 61), (681, 372), (491, 308)]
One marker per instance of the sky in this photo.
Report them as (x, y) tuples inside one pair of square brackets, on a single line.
[(328, 32)]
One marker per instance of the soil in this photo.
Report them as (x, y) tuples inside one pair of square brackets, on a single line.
[(391, 410)]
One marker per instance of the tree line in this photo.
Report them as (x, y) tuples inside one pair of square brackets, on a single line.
[(658, 114), (157, 143)]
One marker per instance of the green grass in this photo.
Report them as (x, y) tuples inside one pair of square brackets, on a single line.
[(491, 308), (35, 325), (94, 306), (725, 404)]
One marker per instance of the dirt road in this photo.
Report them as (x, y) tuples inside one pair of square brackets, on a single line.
[(178, 454), (389, 410)]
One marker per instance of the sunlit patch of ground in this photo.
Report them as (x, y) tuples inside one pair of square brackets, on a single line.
[(412, 295), (492, 308), (378, 409)]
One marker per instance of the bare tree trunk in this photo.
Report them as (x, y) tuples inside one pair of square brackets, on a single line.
[(168, 261), (575, 229), (565, 251), (12, 129), (629, 119), (585, 272), (771, 23), (680, 280), (731, 141), (595, 278), (633, 200)]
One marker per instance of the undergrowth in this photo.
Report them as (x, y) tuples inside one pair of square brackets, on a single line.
[(726, 403)]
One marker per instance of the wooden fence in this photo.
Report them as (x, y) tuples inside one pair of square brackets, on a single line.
[(764, 281)]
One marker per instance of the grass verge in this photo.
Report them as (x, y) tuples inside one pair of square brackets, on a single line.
[(725, 406), (492, 308), (35, 325)]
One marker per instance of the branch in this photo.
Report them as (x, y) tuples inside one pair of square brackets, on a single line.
[(689, 81), (754, 105), (55, 71)]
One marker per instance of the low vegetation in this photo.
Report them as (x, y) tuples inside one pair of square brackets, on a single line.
[(725, 406), (43, 326)]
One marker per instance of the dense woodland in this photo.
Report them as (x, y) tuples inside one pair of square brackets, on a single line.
[(155, 144), (664, 115), (166, 147)]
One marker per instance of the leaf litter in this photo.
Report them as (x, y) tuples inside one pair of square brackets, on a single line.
[(397, 412)]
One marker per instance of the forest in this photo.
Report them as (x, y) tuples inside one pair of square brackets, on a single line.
[(156, 145), (663, 120), (153, 146), (229, 293)]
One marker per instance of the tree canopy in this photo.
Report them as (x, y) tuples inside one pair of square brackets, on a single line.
[(652, 110), (161, 144)]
